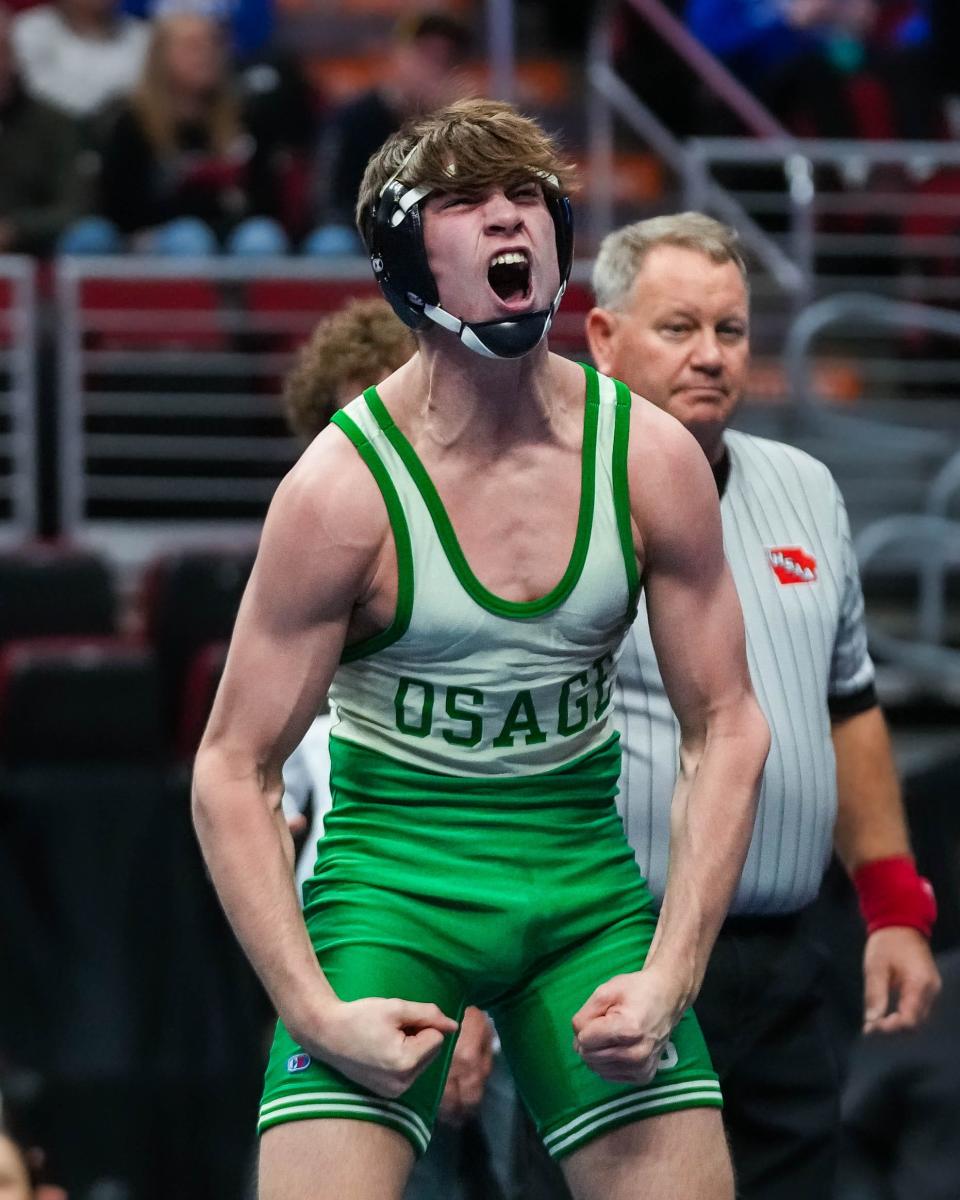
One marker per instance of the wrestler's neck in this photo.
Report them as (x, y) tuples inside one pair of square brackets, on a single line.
[(456, 397)]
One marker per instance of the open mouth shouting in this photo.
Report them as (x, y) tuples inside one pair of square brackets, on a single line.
[(509, 276)]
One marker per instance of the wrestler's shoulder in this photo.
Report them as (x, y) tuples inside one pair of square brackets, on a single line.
[(330, 488), (661, 443)]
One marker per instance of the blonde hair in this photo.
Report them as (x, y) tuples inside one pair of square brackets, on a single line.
[(151, 97), (358, 345), (622, 253), (471, 145)]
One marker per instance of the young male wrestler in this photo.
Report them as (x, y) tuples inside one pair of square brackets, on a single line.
[(457, 562)]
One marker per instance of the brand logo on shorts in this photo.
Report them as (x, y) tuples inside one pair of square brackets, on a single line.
[(792, 565), (298, 1062), (668, 1058)]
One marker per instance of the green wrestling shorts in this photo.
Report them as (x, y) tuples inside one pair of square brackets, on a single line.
[(520, 896)]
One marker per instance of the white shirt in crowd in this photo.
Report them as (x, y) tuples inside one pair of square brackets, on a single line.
[(77, 74)]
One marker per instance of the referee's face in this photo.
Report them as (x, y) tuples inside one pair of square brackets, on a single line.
[(681, 339)]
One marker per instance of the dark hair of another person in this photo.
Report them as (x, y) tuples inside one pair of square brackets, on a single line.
[(431, 23)]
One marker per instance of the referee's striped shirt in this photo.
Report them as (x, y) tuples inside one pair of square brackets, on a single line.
[(787, 539)]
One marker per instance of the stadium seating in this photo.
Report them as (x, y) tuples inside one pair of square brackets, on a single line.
[(154, 314), (190, 599), (81, 783), (55, 591), (78, 700), (199, 689), (286, 310)]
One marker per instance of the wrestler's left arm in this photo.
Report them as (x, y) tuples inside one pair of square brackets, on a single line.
[(697, 629)]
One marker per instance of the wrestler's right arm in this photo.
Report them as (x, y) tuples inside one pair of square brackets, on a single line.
[(322, 549)]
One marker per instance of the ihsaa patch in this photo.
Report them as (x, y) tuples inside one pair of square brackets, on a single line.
[(791, 564), (298, 1062)]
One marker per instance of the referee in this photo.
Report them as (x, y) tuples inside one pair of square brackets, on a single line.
[(672, 321)]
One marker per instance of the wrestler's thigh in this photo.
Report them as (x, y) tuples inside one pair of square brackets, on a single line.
[(333, 1160), (682, 1154), (570, 1103)]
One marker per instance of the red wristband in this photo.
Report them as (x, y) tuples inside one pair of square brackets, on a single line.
[(892, 893)]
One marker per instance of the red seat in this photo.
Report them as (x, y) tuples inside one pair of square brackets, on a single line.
[(55, 590), (567, 333), (288, 309), (936, 219), (872, 107), (78, 699), (7, 312), (199, 689), (152, 314), (190, 600)]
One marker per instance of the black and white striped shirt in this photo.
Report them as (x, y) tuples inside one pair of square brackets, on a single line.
[(787, 539)]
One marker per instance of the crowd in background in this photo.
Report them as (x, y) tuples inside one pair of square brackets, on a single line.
[(824, 68), (182, 134), (180, 129), (808, 60)]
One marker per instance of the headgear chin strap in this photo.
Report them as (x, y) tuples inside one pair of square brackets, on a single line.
[(393, 232), (499, 339)]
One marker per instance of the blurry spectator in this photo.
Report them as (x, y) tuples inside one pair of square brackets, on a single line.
[(423, 73), (78, 54), (902, 57), (15, 1179), (945, 38), (41, 184), (250, 21), (282, 113), (358, 346), (178, 166), (901, 1109), (662, 80), (19, 1170), (793, 54)]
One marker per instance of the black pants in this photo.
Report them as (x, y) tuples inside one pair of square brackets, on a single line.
[(763, 1013)]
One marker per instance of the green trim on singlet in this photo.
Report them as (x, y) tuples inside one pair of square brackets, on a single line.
[(401, 538), (448, 538), (621, 494)]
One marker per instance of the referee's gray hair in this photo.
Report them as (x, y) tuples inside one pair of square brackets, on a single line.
[(622, 252)]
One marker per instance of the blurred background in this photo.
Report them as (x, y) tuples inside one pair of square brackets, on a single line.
[(177, 181)]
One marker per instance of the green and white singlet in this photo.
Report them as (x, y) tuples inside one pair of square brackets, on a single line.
[(465, 682), (473, 853)]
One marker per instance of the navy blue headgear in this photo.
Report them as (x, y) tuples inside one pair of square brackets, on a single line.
[(393, 232)]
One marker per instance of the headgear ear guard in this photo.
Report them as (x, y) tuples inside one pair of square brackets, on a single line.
[(393, 232)]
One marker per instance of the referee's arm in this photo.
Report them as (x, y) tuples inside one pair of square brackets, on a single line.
[(870, 837), (900, 976)]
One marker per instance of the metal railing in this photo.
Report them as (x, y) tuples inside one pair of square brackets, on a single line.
[(611, 97), (881, 216), (171, 428), (818, 215), (900, 425), (926, 548), (944, 487), (883, 374)]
